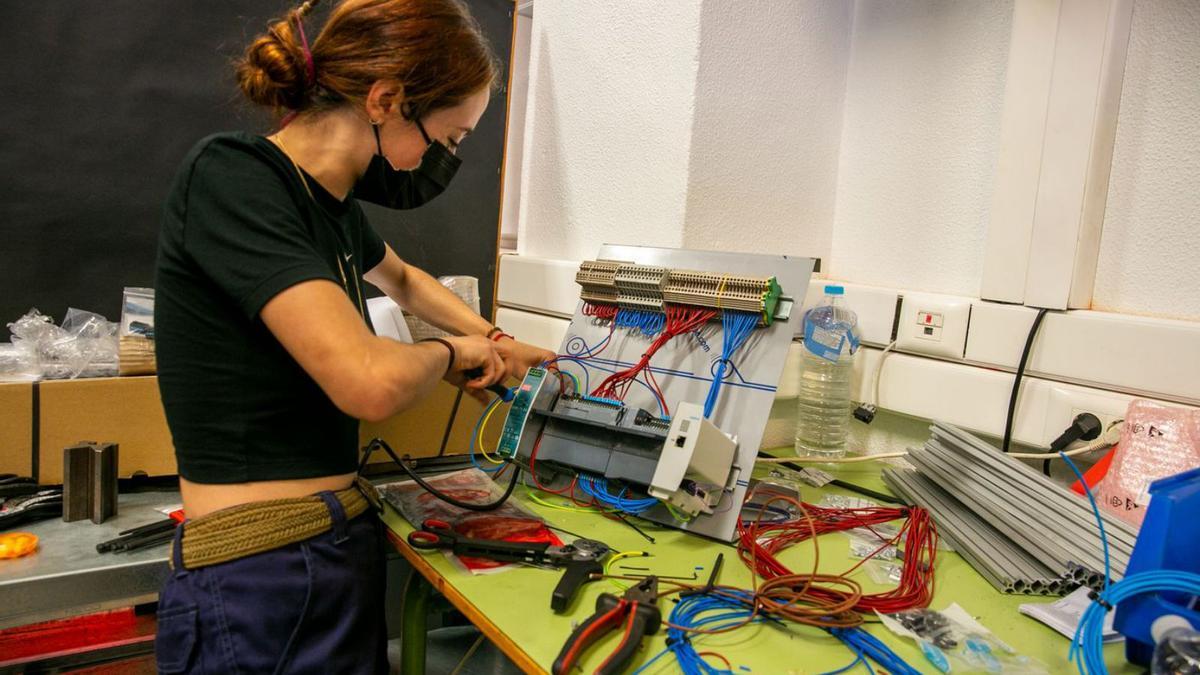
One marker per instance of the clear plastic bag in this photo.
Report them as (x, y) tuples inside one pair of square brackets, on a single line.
[(85, 345), (510, 522), (953, 641)]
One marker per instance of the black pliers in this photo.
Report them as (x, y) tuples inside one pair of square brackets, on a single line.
[(580, 559), (636, 612)]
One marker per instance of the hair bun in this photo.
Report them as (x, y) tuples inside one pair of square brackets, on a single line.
[(273, 70)]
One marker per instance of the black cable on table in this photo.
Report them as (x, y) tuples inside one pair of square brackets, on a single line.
[(1016, 388)]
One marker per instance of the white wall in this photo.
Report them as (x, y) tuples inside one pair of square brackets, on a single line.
[(1150, 247), (865, 133), (609, 124), (764, 147), (919, 143)]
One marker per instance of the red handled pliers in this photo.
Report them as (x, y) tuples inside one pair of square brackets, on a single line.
[(636, 611)]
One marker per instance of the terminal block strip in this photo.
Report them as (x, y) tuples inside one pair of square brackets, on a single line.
[(645, 287)]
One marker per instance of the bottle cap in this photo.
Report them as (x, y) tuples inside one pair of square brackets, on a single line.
[(1166, 623), (834, 290)]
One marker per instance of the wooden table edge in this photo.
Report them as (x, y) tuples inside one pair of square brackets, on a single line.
[(464, 605)]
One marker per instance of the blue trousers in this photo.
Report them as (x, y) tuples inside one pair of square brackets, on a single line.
[(311, 607)]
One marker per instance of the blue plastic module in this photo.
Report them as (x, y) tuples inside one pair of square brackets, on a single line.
[(1168, 540)]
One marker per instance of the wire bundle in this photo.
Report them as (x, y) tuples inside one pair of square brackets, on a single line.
[(707, 612), (678, 321), (597, 489), (1087, 644), (736, 328), (605, 312), (759, 543), (648, 322), (867, 646)]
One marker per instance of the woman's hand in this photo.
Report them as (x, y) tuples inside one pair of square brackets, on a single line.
[(519, 357), (477, 364)]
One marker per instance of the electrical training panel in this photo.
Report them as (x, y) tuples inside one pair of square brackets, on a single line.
[(658, 400)]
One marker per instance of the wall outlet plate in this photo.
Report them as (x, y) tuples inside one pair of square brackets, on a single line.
[(933, 324), (1065, 403)]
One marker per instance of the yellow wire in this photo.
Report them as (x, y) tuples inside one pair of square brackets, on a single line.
[(621, 556), (482, 430), (557, 507), (676, 514), (721, 289)]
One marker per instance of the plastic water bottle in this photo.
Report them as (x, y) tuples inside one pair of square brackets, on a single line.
[(823, 406), (1177, 647)]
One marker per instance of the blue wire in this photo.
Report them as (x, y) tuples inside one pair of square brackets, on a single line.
[(1095, 511), (1087, 645), (736, 328), (597, 488), (475, 438), (872, 649)]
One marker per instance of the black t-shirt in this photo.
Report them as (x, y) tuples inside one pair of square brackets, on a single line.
[(238, 228)]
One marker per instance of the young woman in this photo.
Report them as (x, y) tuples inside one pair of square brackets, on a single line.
[(266, 356)]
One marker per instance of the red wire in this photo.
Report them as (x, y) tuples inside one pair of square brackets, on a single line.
[(761, 542), (533, 470), (679, 320)]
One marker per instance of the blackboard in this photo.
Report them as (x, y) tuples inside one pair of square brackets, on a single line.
[(102, 100)]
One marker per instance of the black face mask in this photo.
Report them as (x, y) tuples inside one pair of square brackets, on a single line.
[(397, 189)]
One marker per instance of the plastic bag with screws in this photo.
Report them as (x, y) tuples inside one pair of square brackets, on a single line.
[(953, 641)]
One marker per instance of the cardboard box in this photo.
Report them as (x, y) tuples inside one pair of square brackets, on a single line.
[(16, 428), (123, 410), (128, 411)]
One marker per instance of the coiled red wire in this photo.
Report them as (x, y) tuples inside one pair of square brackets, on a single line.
[(760, 542)]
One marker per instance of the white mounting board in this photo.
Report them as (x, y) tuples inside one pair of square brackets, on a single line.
[(684, 367)]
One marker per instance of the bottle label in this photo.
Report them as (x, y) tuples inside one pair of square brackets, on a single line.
[(827, 342)]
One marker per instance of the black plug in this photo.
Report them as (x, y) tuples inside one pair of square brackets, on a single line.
[(865, 413), (1085, 427)]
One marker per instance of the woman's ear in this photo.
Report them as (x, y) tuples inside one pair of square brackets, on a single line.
[(385, 98)]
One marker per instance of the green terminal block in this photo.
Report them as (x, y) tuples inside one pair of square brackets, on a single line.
[(770, 300)]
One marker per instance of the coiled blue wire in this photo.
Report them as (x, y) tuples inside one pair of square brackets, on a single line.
[(1087, 645), (701, 611)]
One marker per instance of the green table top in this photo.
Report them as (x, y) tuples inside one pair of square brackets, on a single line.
[(518, 600)]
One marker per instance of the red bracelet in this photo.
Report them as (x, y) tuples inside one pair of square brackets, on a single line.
[(496, 333)]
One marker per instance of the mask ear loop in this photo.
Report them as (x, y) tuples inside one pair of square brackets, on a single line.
[(378, 145), (421, 128)]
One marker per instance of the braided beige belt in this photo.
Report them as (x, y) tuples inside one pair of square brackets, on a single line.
[(257, 527)]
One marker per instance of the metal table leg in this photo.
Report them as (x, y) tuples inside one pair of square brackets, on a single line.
[(417, 595)]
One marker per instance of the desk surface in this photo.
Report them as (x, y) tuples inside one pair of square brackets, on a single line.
[(67, 576), (513, 607)]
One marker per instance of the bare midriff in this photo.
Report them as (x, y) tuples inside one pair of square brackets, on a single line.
[(200, 499)]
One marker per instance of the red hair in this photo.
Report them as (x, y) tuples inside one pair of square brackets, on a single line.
[(433, 48)]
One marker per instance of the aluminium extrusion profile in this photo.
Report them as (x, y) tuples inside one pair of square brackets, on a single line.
[(1117, 528), (1048, 552), (1005, 509), (1011, 498), (1047, 492), (1048, 503), (984, 540), (1004, 564)]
